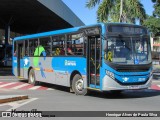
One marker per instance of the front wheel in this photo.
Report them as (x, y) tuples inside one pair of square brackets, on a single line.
[(78, 85), (32, 79)]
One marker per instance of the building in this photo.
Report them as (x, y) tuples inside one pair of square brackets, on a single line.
[(19, 17)]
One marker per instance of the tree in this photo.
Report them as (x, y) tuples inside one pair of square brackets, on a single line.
[(109, 10), (153, 22), (156, 1)]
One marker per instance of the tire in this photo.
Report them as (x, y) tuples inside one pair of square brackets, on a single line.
[(77, 85), (31, 79)]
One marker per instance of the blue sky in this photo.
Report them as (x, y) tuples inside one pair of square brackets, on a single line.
[(88, 16)]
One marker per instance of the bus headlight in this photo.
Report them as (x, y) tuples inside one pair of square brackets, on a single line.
[(110, 74)]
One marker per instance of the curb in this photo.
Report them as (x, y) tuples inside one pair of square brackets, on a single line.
[(12, 98)]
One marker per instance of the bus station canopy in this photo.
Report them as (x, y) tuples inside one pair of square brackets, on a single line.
[(32, 16)]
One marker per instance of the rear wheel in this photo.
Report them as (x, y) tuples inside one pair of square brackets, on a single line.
[(32, 79), (78, 85)]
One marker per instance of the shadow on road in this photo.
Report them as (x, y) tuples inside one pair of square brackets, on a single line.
[(6, 71), (126, 94), (52, 86), (108, 95)]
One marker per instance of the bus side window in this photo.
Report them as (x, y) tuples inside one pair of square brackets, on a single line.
[(46, 44), (58, 45), (26, 47), (75, 44), (33, 44)]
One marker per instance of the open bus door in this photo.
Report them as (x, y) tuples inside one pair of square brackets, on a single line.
[(93, 61), (20, 54)]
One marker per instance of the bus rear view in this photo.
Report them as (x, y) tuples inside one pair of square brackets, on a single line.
[(127, 58)]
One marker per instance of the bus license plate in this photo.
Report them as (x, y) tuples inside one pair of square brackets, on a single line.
[(134, 87)]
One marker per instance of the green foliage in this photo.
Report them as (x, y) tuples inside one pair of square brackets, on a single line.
[(156, 12), (156, 1), (109, 10), (153, 22), (92, 3)]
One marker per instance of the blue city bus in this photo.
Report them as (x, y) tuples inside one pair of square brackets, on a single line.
[(105, 57), (5, 55)]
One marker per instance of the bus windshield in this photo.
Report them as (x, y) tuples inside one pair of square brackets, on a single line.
[(128, 49)]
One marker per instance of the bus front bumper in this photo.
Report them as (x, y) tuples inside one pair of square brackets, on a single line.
[(110, 84)]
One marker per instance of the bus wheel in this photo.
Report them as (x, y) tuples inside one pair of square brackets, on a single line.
[(32, 79), (78, 85)]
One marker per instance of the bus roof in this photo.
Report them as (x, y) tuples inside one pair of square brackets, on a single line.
[(56, 32), (69, 30)]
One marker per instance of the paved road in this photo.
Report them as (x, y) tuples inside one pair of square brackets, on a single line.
[(47, 97)]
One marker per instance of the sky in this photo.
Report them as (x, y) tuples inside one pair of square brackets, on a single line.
[(88, 16)]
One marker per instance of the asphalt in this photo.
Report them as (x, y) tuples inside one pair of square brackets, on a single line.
[(11, 98)]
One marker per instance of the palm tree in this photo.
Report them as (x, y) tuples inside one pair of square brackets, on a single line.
[(109, 10), (158, 1)]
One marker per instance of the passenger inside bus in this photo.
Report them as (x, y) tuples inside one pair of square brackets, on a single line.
[(69, 50)]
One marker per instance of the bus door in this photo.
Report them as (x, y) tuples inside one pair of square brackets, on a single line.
[(20, 54), (93, 61)]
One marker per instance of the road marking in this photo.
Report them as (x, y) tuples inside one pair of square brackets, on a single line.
[(50, 89), (13, 85), (156, 81), (155, 87), (15, 105), (7, 84), (26, 87), (20, 86), (34, 88)]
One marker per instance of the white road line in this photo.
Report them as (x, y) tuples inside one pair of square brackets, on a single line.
[(15, 106), (156, 81), (20, 86), (7, 84), (50, 89), (34, 88)]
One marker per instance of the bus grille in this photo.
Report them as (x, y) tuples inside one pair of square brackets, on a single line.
[(132, 70), (135, 83)]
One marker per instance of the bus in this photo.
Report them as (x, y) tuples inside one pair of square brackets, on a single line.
[(6, 55), (106, 57)]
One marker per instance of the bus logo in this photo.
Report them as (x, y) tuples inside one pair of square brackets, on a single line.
[(26, 62), (125, 79), (70, 63)]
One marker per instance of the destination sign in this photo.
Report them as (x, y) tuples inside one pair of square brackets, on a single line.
[(127, 29)]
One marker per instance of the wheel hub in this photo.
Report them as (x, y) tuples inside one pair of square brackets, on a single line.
[(32, 78), (79, 85)]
